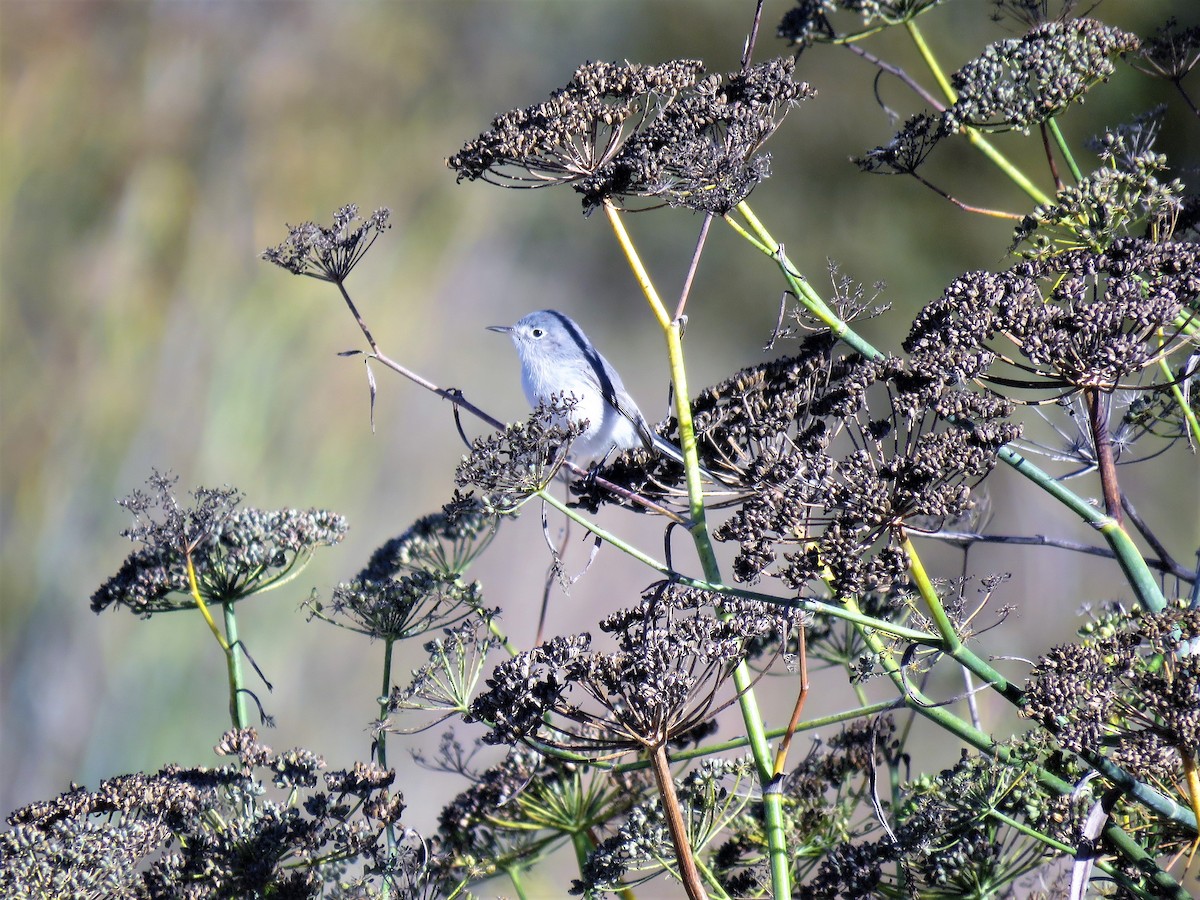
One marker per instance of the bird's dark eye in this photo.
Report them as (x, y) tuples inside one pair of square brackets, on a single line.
[(537, 332)]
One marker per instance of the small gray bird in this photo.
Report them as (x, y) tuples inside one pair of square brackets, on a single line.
[(558, 359)]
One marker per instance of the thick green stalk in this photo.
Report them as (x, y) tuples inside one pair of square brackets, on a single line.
[(583, 847), (804, 292), (952, 644), (514, 877), (1061, 143), (381, 750), (1141, 579), (233, 664), (1185, 408), (742, 678)]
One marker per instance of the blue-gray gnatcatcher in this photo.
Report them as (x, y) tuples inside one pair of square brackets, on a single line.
[(557, 359)]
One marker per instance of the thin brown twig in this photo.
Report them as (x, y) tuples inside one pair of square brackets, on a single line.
[(1041, 540), (899, 73), (1105, 462), (802, 695), (695, 264), (752, 37), (688, 873)]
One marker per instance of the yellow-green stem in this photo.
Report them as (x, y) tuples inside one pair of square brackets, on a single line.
[(975, 137), (1061, 143), (233, 663), (929, 594), (698, 528), (1185, 408)]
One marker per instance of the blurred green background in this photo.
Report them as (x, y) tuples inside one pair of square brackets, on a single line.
[(150, 151)]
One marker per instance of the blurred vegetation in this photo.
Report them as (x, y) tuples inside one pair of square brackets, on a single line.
[(149, 151)]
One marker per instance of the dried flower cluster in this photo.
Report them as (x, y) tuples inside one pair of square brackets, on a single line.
[(710, 796), (444, 543), (663, 681), (235, 552), (1022, 82), (1172, 52), (510, 466), (1130, 692), (518, 810), (808, 22), (1080, 319), (906, 152), (839, 453), (199, 832), (1129, 196), (329, 253), (1016, 83), (945, 840), (412, 584), (658, 132), (446, 683)]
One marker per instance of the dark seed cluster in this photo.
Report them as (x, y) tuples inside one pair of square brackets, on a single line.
[(329, 253), (406, 606), (200, 832), (836, 454), (622, 131), (709, 796), (1130, 196), (1132, 693), (673, 658), (905, 153), (445, 543), (1172, 52), (235, 552), (1079, 319), (1022, 82), (942, 838), (819, 795), (515, 809), (509, 466), (808, 22)]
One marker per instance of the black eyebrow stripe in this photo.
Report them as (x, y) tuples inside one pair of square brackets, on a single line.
[(607, 388)]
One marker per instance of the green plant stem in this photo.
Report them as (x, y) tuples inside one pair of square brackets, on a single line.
[(1177, 395), (1140, 578), (683, 404), (1024, 829), (583, 847), (1061, 143), (950, 638), (712, 880), (381, 749), (812, 606), (952, 644), (973, 135), (233, 665), (698, 528), (514, 877), (811, 300)]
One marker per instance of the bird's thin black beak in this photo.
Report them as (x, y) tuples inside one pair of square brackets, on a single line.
[(503, 329)]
